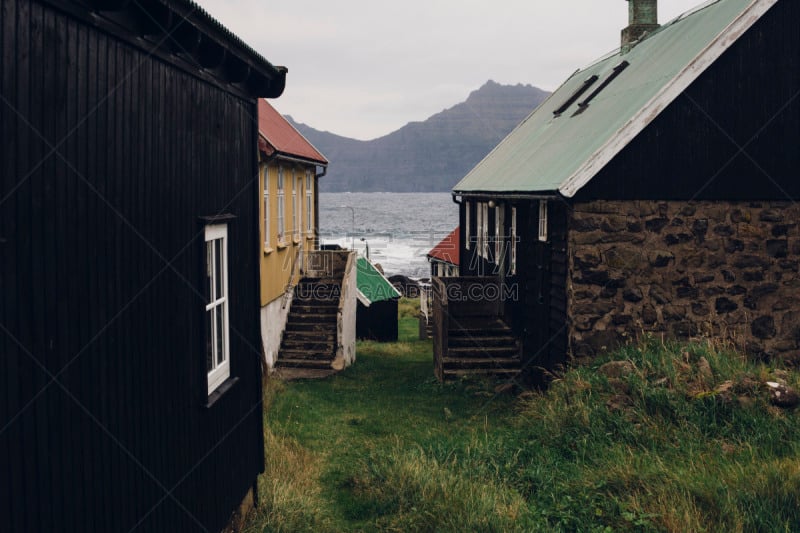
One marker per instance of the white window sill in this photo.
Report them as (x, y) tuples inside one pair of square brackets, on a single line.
[(220, 391)]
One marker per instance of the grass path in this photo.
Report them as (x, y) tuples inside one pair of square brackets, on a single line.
[(686, 441)]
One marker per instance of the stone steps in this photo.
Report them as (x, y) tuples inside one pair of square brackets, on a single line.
[(308, 348)]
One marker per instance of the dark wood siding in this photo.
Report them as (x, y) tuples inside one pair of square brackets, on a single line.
[(109, 158), (540, 315), (378, 321), (718, 140)]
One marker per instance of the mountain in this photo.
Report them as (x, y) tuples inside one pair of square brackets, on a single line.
[(429, 156)]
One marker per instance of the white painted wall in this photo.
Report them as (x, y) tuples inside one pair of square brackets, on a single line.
[(273, 323)]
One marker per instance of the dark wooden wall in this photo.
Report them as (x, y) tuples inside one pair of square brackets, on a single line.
[(378, 321), (540, 315), (109, 156), (748, 99)]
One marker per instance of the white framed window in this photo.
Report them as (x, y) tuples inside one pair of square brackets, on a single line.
[(295, 225), (298, 204), (499, 220), (281, 208), (217, 327), (542, 220), (513, 240), (266, 207), (484, 229), (467, 244), (309, 203)]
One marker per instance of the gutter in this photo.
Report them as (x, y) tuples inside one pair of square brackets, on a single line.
[(544, 195)]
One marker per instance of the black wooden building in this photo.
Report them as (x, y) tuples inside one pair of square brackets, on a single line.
[(130, 380), (655, 191)]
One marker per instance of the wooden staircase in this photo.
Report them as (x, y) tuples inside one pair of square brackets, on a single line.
[(308, 347), (481, 346)]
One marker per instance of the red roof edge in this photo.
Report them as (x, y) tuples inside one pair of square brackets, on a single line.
[(447, 250), (278, 135)]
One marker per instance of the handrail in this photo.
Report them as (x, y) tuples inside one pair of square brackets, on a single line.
[(441, 324), (287, 292), (343, 345)]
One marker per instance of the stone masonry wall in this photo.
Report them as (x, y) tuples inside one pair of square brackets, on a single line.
[(720, 270)]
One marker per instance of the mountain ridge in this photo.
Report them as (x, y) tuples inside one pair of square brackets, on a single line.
[(425, 156)]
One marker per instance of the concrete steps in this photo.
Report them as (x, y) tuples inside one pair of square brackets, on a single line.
[(308, 347)]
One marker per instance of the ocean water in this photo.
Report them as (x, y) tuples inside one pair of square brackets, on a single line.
[(399, 228)]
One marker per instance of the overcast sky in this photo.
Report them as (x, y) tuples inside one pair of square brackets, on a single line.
[(364, 68)]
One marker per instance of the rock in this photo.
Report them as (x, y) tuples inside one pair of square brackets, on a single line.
[(687, 292), (583, 224), (728, 276), (617, 369), (763, 327), (778, 248), (705, 369), (619, 385), (677, 238), (659, 295), (623, 258), (736, 290), (723, 230), (660, 258), (771, 215), (700, 308), (737, 215), (700, 228), (725, 305), (649, 315), (587, 260), (632, 294), (614, 224), (781, 230), (782, 395), (655, 225), (619, 402), (751, 261), (753, 275), (734, 245)]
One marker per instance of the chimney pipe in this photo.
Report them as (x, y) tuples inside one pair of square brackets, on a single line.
[(642, 18)]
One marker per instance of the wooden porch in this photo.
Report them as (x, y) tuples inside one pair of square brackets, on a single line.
[(472, 332)]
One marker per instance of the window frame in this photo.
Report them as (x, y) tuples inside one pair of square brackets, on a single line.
[(309, 203), (295, 227), (220, 369), (281, 208), (543, 220), (513, 240), (484, 230), (467, 244), (266, 209), (499, 221)]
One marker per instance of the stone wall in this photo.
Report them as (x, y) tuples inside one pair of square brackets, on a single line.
[(721, 270)]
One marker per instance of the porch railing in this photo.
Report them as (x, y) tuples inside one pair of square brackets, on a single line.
[(441, 324)]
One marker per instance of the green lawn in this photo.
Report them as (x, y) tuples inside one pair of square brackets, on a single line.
[(671, 446)]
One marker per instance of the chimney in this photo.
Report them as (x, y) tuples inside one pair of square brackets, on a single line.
[(642, 18)]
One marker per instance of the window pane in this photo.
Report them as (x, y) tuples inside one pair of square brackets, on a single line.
[(210, 270), (209, 341), (220, 329), (219, 273)]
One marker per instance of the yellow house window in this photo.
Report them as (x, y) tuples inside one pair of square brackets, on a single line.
[(266, 207), (309, 203), (281, 208)]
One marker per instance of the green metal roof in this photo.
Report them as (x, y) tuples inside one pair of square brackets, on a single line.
[(372, 285), (549, 154)]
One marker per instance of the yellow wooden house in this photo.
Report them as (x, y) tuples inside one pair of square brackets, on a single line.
[(289, 169)]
